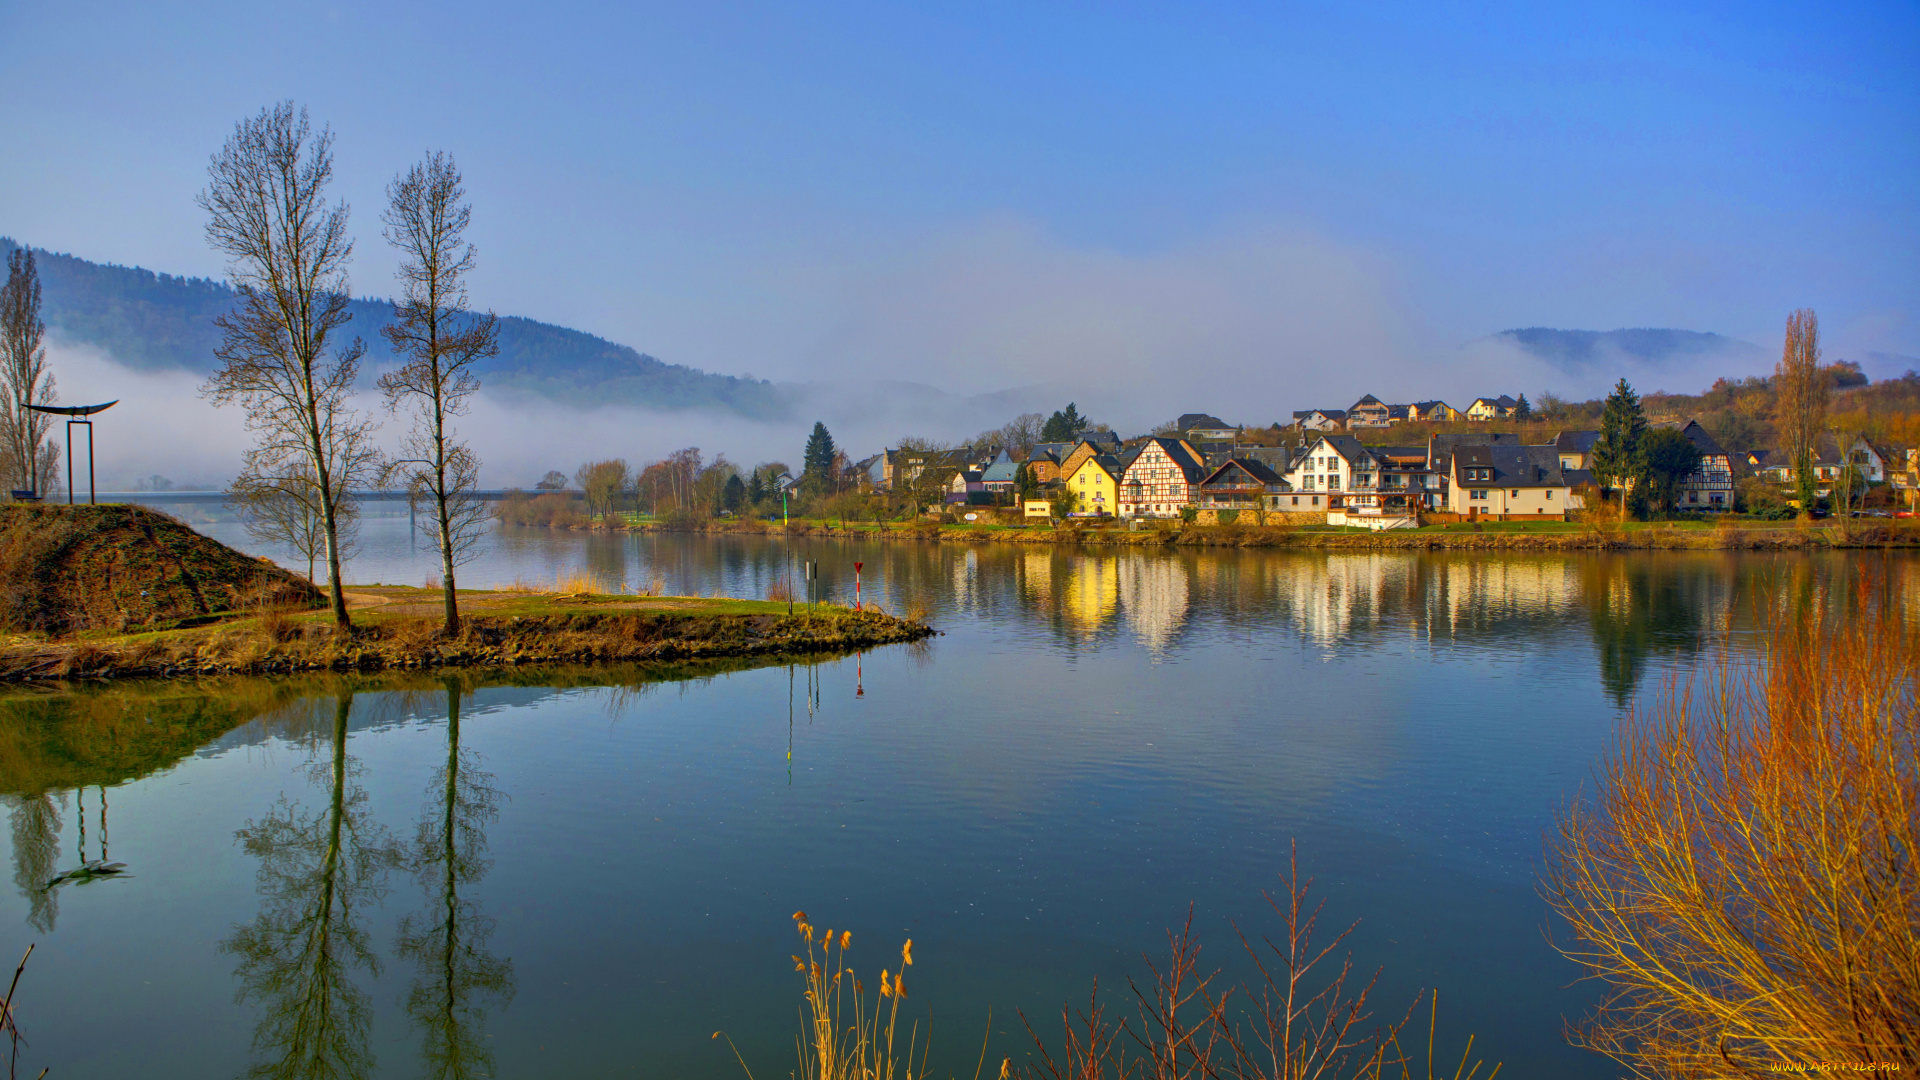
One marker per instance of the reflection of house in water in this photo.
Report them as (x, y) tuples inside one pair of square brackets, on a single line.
[(1472, 592), (966, 579), (1090, 594), (1036, 568), (1341, 595), (1155, 594)]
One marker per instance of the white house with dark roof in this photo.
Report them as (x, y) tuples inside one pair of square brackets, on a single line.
[(1159, 478), (1203, 427), (1320, 419), (1330, 468), (1492, 408), (1504, 481)]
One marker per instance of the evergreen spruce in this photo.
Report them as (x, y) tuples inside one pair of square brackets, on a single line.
[(817, 468), (1523, 410), (1618, 458), (1065, 425)]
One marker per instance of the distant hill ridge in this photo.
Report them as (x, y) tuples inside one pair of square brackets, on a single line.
[(156, 322), (1584, 350)]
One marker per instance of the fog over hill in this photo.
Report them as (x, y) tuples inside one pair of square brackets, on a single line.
[(556, 396), (1580, 352), (158, 322)]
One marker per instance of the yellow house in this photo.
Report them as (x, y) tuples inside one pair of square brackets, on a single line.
[(1095, 483)]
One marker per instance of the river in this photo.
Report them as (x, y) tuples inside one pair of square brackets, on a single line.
[(586, 874)]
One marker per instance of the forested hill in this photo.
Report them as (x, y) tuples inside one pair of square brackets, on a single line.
[(1579, 351), (157, 321)]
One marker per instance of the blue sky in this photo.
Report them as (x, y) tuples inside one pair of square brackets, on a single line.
[(977, 195)]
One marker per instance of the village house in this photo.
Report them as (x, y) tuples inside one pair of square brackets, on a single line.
[(1159, 479), (967, 487), (902, 467), (1710, 487), (1331, 466), (1506, 482), (1001, 474), (1320, 419), (1776, 466), (1369, 412), (1402, 484), (1200, 427), (1090, 444), (1576, 448), (1095, 483), (1438, 412), (1495, 408), (1440, 448), (1043, 461), (1241, 484), (1906, 476)]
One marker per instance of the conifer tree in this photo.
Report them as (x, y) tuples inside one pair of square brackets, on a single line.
[(1065, 425), (1617, 455), (817, 461)]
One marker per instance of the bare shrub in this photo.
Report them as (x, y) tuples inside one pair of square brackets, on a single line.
[(1744, 880), (1297, 1022)]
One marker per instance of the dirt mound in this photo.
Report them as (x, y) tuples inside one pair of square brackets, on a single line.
[(64, 569)]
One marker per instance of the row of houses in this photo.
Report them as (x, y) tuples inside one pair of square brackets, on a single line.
[(1201, 464), (1371, 412)]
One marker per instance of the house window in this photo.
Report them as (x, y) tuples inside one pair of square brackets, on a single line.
[(1513, 493), (1549, 494), (1477, 495)]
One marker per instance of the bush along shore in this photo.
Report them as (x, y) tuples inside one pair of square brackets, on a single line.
[(397, 628), (1726, 534)]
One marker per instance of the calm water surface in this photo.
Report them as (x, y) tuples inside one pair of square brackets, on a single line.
[(587, 873)]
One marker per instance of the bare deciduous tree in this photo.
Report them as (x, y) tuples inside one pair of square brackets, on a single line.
[(427, 220), (266, 194), (27, 456), (1744, 878), (1803, 395), (286, 510)]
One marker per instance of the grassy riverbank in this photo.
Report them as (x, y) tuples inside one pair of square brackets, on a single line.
[(398, 628), (1725, 534)]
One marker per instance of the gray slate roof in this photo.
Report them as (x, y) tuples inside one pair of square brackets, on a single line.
[(1513, 466)]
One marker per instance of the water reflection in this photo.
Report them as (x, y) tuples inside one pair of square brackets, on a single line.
[(456, 977), (35, 822), (301, 958), (1220, 703)]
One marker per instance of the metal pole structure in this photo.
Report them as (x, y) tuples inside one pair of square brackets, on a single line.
[(856, 586), (75, 411), (786, 533)]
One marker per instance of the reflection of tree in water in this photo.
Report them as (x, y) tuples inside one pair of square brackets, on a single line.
[(299, 956), (448, 942), (1635, 609), (36, 851)]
